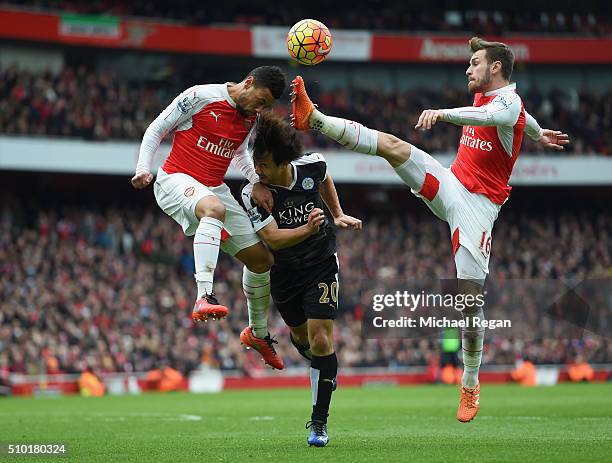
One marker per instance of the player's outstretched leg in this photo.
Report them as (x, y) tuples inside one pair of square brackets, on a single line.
[(211, 212), (323, 371), (350, 134)]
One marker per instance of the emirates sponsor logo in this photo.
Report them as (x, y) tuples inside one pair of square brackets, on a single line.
[(469, 139), (224, 148)]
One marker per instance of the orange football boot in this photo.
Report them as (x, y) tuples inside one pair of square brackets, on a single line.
[(264, 346), (301, 105), (468, 404), (208, 307)]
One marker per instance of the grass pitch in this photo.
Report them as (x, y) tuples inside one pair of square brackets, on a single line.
[(413, 424)]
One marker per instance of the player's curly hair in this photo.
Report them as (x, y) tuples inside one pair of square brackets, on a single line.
[(495, 51), (275, 136), (271, 77)]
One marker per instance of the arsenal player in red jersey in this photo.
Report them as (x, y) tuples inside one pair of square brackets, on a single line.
[(469, 195), (212, 126)]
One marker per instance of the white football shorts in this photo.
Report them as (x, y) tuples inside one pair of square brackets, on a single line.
[(177, 195), (470, 216)]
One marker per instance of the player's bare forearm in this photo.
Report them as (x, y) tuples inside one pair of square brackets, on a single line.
[(277, 238), (329, 195), (281, 239)]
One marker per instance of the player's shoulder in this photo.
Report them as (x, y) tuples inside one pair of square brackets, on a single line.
[(195, 98), (309, 158), (508, 96), (311, 165), (210, 91)]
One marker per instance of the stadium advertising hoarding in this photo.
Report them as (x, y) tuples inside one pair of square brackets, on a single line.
[(269, 42)]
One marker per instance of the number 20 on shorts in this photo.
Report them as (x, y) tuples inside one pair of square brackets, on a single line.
[(329, 290)]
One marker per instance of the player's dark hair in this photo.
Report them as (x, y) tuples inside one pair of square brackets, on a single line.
[(271, 77), (275, 136), (495, 51)]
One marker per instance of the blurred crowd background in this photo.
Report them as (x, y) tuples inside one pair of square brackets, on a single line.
[(79, 102), (112, 288), (502, 18), (94, 275)]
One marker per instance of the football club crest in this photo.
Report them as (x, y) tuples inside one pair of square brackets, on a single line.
[(308, 183)]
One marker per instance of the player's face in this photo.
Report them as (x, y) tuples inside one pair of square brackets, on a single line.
[(268, 171), (479, 73), (254, 99)]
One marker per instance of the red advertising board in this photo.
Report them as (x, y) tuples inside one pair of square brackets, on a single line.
[(455, 49), (115, 32), (145, 35)]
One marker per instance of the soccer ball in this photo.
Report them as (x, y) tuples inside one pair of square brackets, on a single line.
[(309, 42)]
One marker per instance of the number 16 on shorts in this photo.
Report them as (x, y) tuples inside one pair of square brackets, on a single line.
[(485, 244)]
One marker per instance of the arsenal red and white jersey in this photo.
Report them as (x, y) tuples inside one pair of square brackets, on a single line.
[(490, 143), (209, 133)]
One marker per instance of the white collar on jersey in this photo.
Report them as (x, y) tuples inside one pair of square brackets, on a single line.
[(507, 88), (227, 95)]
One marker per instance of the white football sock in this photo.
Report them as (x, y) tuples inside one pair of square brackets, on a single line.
[(206, 252), (350, 134), (256, 287)]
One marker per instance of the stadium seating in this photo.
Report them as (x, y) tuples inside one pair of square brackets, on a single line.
[(113, 288), (97, 106), (376, 15)]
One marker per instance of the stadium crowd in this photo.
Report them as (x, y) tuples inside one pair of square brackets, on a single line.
[(112, 289), (481, 17), (79, 102)]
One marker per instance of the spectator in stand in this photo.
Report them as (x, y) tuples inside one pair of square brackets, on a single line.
[(84, 104), (108, 289), (481, 18)]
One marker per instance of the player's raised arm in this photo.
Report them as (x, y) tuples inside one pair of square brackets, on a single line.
[(551, 139), (329, 195), (177, 112), (504, 110)]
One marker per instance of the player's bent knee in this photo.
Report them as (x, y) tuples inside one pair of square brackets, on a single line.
[(210, 206), (321, 343)]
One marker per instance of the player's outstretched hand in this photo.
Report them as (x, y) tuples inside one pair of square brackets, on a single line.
[(315, 220), (262, 196), (142, 179), (346, 221), (553, 139), (428, 119)]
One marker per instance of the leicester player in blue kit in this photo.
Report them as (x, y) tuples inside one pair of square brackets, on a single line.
[(304, 278)]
